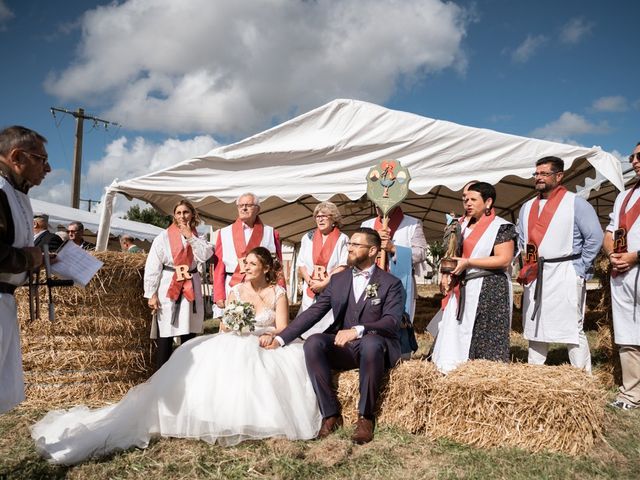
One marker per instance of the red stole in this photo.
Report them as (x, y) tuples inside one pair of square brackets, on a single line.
[(536, 230), (468, 244), (321, 254), (182, 258), (394, 222), (241, 247), (627, 219)]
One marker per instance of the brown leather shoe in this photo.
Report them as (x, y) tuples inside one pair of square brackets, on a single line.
[(364, 431), (330, 425)]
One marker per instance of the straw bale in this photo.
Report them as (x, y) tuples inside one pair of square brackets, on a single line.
[(537, 408), (98, 346), (404, 400)]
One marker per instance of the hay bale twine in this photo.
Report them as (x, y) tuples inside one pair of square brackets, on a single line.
[(537, 408), (404, 400), (99, 346)]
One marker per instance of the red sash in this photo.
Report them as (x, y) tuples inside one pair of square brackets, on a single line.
[(627, 219), (536, 230), (394, 222), (321, 254), (468, 244), (241, 247), (182, 258)]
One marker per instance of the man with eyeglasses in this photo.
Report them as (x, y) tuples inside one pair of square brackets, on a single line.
[(235, 240), (559, 236), (622, 245), (404, 241), (75, 230), (23, 164), (367, 309)]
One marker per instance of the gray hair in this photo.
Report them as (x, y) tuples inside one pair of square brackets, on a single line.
[(126, 238), (19, 137), (256, 200), (333, 211)]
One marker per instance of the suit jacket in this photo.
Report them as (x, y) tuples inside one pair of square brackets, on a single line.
[(379, 315), (52, 239)]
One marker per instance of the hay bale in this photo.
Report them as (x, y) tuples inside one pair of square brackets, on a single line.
[(537, 408), (404, 401), (99, 346)]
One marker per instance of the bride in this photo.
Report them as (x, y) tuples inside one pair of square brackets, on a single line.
[(218, 388)]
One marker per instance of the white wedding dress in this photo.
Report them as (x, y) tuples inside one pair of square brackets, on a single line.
[(220, 388)]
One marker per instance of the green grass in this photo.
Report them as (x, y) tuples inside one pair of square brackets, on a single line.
[(393, 454)]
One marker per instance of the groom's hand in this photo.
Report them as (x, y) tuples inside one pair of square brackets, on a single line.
[(345, 336), (273, 345)]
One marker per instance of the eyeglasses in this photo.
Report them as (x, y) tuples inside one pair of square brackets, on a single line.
[(246, 205), (634, 155), (322, 217), (43, 158), (543, 174), (358, 245), (73, 231)]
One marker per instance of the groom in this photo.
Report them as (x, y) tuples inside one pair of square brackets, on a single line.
[(367, 308)]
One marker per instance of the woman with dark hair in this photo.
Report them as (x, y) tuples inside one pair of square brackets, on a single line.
[(476, 316), (220, 388), (172, 282)]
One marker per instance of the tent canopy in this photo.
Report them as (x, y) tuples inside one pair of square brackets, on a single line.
[(61, 216), (326, 153)]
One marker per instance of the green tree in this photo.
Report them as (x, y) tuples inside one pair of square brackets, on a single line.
[(148, 215), (436, 251)]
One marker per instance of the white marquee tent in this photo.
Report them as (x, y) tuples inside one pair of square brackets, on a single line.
[(326, 154)]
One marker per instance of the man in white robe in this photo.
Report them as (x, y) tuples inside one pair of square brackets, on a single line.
[(23, 164), (622, 245), (559, 236)]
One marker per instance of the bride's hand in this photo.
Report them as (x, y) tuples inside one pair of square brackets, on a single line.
[(265, 339)]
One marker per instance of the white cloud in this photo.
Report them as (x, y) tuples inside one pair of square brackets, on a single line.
[(56, 188), (568, 125), (575, 30), (616, 103), (232, 67), (5, 14), (528, 48)]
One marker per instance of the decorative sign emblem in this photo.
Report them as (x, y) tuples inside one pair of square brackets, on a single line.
[(387, 184)]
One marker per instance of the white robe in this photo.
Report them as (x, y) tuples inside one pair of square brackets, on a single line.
[(626, 330), (157, 280), (560, 315), (453, 338), (11, 376), (305, 259)]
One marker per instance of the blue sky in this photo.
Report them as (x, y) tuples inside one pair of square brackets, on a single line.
[(184, 77)]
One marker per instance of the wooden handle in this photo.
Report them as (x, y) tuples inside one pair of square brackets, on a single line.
[(383, 253)]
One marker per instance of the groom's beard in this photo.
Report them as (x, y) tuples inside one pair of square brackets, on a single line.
[(359, 261)]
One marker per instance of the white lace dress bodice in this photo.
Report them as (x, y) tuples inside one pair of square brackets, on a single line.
[(265, 318), (220, 388)]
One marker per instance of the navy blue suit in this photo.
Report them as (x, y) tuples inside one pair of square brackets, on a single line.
[(376, 351)]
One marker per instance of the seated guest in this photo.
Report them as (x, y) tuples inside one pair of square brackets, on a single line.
[(76, 235), (323, 252), (127, 245), (476, 315), (42, 235)]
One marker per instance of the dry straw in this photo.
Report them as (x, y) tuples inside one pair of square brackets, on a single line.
[(98, 347), (489, 404)]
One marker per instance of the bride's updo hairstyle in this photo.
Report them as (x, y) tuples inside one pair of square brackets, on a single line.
[(267, 260)]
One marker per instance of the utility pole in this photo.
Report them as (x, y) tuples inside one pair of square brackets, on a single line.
[(77, 155)]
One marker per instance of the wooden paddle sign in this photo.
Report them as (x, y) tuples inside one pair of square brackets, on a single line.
[(387, 187)]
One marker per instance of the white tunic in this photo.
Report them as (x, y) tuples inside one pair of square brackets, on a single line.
[(11, 376), (626, 330), (453, 338), (560, 314), (305, 259), (157, 280)]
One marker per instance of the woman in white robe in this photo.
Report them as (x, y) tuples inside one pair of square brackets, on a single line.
[(479, 328), (323, 252), (177, 304)]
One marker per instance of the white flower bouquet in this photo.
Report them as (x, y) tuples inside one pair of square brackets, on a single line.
[(239, 317)]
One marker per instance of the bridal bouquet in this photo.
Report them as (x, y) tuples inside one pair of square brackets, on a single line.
[(239, 317)]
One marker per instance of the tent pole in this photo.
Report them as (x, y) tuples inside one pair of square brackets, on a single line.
[(105, 220)]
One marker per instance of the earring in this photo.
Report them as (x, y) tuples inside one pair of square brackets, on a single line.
[(487, 211)]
